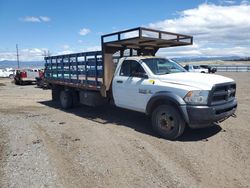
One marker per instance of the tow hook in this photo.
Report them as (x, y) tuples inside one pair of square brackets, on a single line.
[(234, 115)]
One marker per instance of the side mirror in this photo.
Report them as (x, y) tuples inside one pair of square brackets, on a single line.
[(140, 75)]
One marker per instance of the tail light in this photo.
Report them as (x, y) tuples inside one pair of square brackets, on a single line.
[(41, 74), (23, 74)]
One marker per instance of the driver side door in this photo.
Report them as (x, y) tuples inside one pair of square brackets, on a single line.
[(127, 85)]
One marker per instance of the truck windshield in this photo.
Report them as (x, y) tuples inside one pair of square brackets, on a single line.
[(160, 66)]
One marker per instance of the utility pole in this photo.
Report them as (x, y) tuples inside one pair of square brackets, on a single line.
[(46, 53), (17, 56)]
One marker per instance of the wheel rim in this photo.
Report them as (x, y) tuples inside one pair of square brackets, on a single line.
[(166, 122)]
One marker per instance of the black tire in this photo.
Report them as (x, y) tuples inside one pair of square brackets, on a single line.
[(11, 76), (202, 72), (168, 122), (66, 99), (55, 92), (17, 82), (75, 98)]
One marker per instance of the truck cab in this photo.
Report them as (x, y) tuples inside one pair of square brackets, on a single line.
[(158, 84), (6, 73), (196, 68), (138, 80)]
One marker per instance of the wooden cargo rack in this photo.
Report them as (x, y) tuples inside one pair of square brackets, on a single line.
[(94, 70)]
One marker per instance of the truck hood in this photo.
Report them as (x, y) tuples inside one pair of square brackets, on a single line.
[(197, 80)]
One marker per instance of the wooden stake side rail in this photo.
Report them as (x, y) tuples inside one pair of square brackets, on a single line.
[(79, 70)]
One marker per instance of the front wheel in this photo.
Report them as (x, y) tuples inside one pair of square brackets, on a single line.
[(168, 122)]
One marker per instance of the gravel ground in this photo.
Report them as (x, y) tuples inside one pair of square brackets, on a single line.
[(44, 146)]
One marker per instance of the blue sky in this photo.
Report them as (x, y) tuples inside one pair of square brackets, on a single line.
[(75, 26)]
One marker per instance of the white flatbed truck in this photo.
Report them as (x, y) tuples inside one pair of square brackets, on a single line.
[(127, 74)]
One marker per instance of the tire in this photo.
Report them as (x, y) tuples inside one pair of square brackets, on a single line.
[(168, 122), (66, 99), (17, 82), (55, 92), (11, 76), (202, 72), (75, 98)]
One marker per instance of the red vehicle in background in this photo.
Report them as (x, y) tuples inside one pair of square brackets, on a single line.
[(26, 76)]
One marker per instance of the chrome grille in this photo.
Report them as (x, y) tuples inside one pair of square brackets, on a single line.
[(223, 93)]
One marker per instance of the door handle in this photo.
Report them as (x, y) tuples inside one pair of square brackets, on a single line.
[(119, 81)]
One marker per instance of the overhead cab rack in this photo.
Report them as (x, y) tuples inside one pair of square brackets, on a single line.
[(138, 41), (146, 41)]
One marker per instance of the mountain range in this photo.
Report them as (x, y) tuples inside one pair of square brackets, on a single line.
[(40, 64)]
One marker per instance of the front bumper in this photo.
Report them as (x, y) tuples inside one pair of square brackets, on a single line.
[(204, 116)]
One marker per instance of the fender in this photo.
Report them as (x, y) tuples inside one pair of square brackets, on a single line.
[(168, 97)]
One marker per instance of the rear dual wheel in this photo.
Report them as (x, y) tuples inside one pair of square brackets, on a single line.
[(69, 99), (66, 99), (168, 122), (55, 91)]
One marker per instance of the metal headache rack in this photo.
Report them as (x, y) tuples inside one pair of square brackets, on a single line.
[(94, 70)]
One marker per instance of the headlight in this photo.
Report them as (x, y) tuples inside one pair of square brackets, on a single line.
[(196, 97)]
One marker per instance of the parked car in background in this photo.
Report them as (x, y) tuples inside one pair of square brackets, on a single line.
[(27, 76), (195, 68), (210, 68), (6, 73)]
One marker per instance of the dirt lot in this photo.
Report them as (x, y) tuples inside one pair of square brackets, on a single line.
[(43, 146)]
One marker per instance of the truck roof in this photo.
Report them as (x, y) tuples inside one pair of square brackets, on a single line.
[(141, 57)]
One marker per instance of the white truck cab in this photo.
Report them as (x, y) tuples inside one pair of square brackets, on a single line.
[(196, 68), (143, 82), (6, 73), (193, 98)]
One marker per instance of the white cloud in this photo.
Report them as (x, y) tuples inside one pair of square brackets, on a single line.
[(92, 48), (84, 49), (66, 46), (245, 2), (37, 54), (190, 51), (218, 27), (35, 19), (229, 2), (31, 19), (84, 31), (218, 30), (45, 18), (64, 52), (27, 54)]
